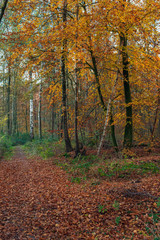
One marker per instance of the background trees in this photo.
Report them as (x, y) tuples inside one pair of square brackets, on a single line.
[(76, 50)]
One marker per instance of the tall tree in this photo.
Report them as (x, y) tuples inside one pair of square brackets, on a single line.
[(8, 101), (14, 103), (31, 107), (128, 134), (77, 150), (63, 71), (40, 111)]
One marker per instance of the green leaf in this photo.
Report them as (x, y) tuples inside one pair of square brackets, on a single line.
[(118, 220)]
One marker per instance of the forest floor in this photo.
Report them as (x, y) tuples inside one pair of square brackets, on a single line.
[(38, 201)]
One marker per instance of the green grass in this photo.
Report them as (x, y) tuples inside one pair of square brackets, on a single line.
[(102, 209), (43, 148), (92, 166)]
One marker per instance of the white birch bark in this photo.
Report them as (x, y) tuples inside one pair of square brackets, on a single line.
[(107, 116), (31, 107), (105, 126), (14, 105), (108, 108), (39, 112)]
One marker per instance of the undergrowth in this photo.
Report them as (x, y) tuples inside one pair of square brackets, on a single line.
[(92, 166), (8, 142), (44, 148), (5, 146)]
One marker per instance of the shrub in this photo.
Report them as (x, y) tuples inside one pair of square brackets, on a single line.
[(20, 139), (43, 148), (5, 145)]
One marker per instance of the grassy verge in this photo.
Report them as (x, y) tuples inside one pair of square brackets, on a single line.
[(93, 167)]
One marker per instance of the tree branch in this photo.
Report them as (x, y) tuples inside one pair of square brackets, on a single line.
[(3, 9)]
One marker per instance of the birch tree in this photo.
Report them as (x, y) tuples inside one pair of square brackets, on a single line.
[(31, 107)]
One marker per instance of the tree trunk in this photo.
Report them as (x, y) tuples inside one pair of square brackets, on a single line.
[(4, 101), (107, 117), (8, 102), (105, 126), (77, 150), (113, 131), (95, 70), (31, 107), (64, 94), (155, 119), (53, 120), (128, 133), (14, 106), (3, 9), (26, 114), (39, 112)]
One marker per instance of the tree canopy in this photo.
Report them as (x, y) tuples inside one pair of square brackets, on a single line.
[(83, 54)]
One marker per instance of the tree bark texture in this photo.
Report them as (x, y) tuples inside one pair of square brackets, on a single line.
[(3, 9), (128, 132), (31, 107), (77, 150), (8, 102), (113, 131), (40, 112), (14, 105), (64, 94)]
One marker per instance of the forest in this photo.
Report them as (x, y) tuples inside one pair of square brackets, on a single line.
[(80, 117)]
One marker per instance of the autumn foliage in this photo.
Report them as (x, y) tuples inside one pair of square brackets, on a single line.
[(96, 42)]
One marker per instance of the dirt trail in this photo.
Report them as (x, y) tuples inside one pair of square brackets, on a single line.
[(37, 201)]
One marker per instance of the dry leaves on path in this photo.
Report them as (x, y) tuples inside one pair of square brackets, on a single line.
[(37, 201)]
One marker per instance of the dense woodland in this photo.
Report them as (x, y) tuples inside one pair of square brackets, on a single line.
[(79, 69), (79, 119)]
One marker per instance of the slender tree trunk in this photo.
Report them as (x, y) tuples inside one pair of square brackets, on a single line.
[(26, 114), (128, 134), (8, 102), (3, 9), (64, 94), (113, 131), (105, 126), (95, 70), (102, 100), (40, 112), (156, 118), (14, 105), (77, 150), (31, 107), (107, 116), (4, 102), (97, 80), (52, 120)]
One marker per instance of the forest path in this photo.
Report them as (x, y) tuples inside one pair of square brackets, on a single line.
[(37, 201)]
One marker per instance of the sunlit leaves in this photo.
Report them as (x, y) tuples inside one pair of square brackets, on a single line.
[(40, 32)]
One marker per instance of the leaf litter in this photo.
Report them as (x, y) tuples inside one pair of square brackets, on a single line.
[(37, 201)]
